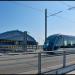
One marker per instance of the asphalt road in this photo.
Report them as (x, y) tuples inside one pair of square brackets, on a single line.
[(17, 64)]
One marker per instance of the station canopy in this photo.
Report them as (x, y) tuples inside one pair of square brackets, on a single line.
[(17, 36)]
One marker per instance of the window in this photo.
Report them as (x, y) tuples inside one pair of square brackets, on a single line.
[(71, 43), (65, 42)]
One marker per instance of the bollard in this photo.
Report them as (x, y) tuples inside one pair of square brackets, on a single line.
[(39, 63), (64, 59)]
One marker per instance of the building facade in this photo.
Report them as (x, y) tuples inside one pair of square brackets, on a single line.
[(12, 41)]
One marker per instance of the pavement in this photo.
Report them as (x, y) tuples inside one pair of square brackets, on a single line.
[(28, 63)]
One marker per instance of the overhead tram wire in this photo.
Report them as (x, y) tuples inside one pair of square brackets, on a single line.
[(36, 9), (56, 14), (65, 19), (62, 2), (70, 6), (53, 14), (42, 10)]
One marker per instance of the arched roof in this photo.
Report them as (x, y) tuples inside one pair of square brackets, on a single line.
[(54, 37), (58, 35), (16, 35)]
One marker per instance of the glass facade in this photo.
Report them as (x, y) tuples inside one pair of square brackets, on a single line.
[(13, 40), (7, 42), (59, 41)]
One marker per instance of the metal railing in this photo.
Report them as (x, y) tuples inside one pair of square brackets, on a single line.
[(43, 59), (62, 53)]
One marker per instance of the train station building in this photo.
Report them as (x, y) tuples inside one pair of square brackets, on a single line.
[(12, 41)]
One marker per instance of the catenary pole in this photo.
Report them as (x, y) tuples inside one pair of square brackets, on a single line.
[(45, 24)]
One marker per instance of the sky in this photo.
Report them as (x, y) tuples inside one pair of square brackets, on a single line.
[(30, 16)]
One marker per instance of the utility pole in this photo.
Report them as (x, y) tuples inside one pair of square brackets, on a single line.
[(45, 24), (46, 20)]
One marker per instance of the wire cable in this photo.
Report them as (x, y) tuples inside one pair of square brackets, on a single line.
[(56, 14), (36, 9), (62, 2), (53, 14), (70, 7), (68, 20)]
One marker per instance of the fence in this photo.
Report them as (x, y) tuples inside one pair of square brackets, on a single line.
[(47, 61), (39, 62)]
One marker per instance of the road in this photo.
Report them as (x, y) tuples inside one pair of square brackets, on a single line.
[(17, 64)]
